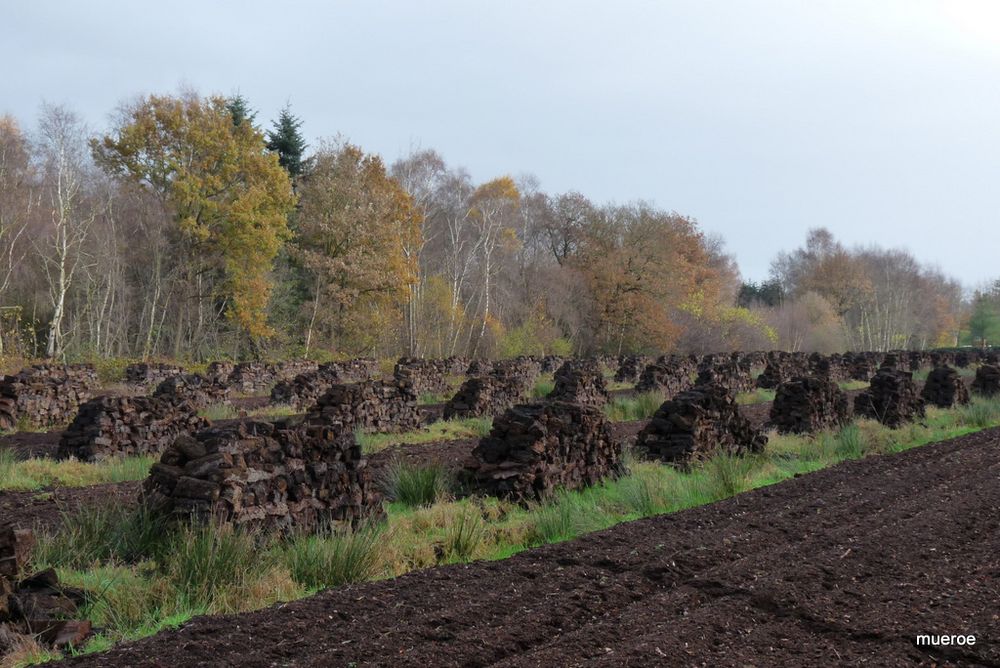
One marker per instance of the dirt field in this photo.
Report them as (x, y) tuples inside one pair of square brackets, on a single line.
[(842, 567)]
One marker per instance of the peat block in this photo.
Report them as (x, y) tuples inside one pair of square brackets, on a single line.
[(534, 449), (807, 404), (630, 368), (987, 380), (302, 391), (282, 476), (669, 374), (45, 394), (781, 367), (944, 388), (150, 374), (197, 390), (371, 405), (491, 394), (892, 398), (580, 381), (697, 424), (127, 426)]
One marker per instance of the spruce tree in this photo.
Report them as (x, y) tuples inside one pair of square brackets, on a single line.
[(240, 110), (286, 140)]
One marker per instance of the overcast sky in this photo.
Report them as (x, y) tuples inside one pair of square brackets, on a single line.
[(879, 119)]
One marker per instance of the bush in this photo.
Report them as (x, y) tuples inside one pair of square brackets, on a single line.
[(415, 486)]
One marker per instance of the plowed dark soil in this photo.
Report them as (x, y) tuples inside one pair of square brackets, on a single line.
[(841, 567)]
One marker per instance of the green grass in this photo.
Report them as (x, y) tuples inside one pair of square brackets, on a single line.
[(36, 473), (230, 412), (145, 578), (431, 398), (638, 407), (851, 385), (442, 430), (543, 387), (415, 486), (758, 396)]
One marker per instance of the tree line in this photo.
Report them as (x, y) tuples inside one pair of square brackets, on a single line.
[(188, 230)]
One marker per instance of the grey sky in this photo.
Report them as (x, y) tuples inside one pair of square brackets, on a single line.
[(878, 119)]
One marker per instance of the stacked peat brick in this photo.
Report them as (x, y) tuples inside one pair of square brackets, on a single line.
[(669, 374), (127, 426), (150, 374), (534, 449), (371, 405), (278, 477), (892, 397), (697, 424), (424, 375), (734, 375), (580, 381), (630, 367), (302, 391), (45, 394), (944, 388), (38, 607), (781, 367), (197, 390), (807, 404), (987, 380), (493, 393), (551, 363)]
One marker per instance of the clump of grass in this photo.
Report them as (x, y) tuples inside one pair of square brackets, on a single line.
[(543, 388), (216, 412), (639, 407), (415, 486), (430, 398), (103, 533), (729, 475), (110, 369), (643, 495), (849, 442), (850, 385), (464, 536), (442, 430), (981, 412), (35, 473), (566, 515), (332, 559), (205, 560), (758, 396)]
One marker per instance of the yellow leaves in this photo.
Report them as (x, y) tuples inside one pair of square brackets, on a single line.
[(229, 195)]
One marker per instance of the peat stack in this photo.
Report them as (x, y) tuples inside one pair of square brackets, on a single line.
[(580, 381), (861, 366), (219, 372), (807, 404), (302, 391), (782, 366), (277, 477), (669, 374), (252, 377), (489, 395), (36, 607), (944, 388), (535, 449), (423, 375), (127, 426), (371, 405), (194, 389), (733, 375), (892, 398), (148, 374), (551, 363), (478, 367), (45, 394), (987, 380), (630, 367), (697, 424)]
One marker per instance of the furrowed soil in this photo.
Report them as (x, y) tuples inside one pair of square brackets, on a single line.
[(844, 566)]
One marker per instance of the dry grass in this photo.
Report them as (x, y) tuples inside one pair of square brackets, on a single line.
[(36, 473)]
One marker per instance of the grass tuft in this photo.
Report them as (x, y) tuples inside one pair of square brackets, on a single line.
[(415, 486), (332, 559), (638, 407), (36, 473)]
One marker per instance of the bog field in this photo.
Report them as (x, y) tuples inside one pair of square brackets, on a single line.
[(730, 509)]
